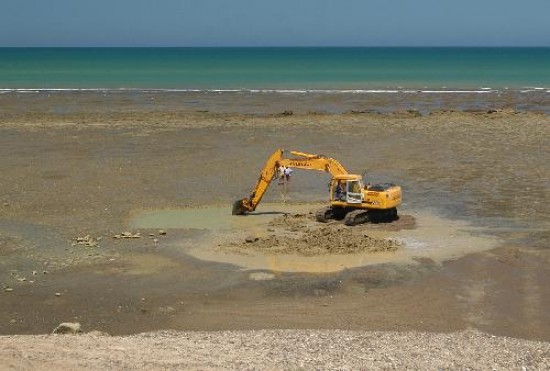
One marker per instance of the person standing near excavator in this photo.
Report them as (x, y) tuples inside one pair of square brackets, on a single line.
[(284, 174)]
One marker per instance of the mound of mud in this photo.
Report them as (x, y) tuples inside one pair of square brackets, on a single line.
[(300, 234)]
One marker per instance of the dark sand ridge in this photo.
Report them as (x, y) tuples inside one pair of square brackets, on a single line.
[(71, 175)]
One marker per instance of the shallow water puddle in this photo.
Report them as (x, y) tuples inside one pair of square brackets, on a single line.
[(434, 237), (440, 239), (215, 218)]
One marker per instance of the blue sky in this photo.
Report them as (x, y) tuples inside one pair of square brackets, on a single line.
[(274, 23)]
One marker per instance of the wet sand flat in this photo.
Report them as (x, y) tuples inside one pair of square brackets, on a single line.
[(66, 176)]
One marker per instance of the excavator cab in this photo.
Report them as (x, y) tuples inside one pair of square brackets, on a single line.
[(354, 196), (347, 189)]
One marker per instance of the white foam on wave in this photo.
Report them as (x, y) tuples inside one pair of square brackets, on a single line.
[(115, 90), (449, 91), (444, 90), (457, 91), (320, 91), (53, 90), (534, 90), (283, 91)]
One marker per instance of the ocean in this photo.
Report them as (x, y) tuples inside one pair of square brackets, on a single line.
[(520, 75)]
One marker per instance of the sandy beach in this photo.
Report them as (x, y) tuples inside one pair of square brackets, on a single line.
[(467, 262)]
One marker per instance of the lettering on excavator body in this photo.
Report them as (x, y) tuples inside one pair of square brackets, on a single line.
[(299, 163)]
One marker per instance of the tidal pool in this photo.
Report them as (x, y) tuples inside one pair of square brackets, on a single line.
[(433, 237)]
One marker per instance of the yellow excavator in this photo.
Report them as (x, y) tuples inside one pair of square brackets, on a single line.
[(350, 200)]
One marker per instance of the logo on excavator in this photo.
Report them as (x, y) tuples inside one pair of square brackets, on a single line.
[(299, 164)]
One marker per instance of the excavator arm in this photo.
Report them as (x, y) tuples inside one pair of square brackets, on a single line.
[(266, 176), (270, 170)]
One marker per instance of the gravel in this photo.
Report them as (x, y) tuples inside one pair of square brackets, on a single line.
[(274, 349)]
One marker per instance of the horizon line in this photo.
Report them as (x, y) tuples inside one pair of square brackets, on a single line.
[(271, 46)]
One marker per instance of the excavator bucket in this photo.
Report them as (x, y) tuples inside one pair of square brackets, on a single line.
[(238, 208)]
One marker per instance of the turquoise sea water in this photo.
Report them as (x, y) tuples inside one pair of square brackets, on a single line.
[(275, 68)]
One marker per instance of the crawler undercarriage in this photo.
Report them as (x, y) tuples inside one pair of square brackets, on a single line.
[(354, 216)]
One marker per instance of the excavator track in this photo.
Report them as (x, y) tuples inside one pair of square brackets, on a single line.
[(356, 217), (324, 215)]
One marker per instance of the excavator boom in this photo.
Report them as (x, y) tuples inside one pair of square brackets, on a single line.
[(271, 168)]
